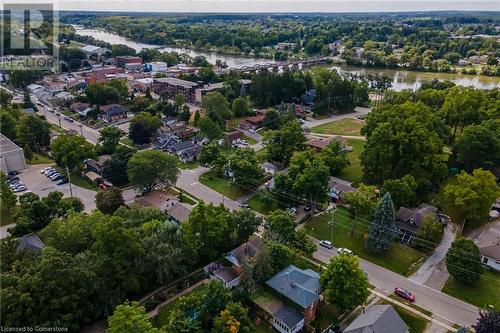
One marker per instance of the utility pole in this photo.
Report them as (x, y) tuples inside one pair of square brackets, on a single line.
[(81, 126), (332, 223), (69, 182)]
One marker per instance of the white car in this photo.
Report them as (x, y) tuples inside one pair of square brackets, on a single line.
[(292, 210), (326, 244), (251, 130), (45, 169), (343, 250)]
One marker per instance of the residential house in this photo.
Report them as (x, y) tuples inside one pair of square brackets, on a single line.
[(408, 220), (82, 109), (489, 246), (378, 318), (200, 140), (167, 203), (252, 122), (29, 242), (232, 138), (337, 188), (186, 151), (301, 287), (96, 166), (112, 112), (319, 144), (175, 128), (166, 141), (230, 276), (271, 168)]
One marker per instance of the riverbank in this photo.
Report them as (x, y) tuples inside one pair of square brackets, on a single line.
[(401, 79)]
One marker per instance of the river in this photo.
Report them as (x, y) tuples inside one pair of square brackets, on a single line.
[(401, 79)]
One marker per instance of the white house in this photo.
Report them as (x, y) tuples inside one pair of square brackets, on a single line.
[(489, 246)]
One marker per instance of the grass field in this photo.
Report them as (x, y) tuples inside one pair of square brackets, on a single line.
[(415, 323), (162, 317), (221, 185), (264, 207), (398, 259), (188, 165), (40, 159), (485, 291), (354, 173), (346, 126)]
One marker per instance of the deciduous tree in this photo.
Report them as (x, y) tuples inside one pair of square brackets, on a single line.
[(109, 200), (463, 261), (130, 317), (403, 191), (70, 151), (152, 169), (345, 283)]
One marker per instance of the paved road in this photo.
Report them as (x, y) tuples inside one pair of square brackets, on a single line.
[(188, 181), (447, 308)]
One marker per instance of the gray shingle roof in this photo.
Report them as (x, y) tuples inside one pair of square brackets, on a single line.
[(300, 286), (288, 316), (378, 318), (30, 242)]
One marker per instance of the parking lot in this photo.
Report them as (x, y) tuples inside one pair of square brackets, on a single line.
[(39, 184)]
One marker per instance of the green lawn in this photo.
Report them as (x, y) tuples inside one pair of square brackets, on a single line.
[(415, 323), (221, 185), (249, 139), (485, 291), (398, 259), (188, 165), (262, 206), (354, 172), (6, 216), (346, 126), (40, 159), (162, 317), (264, 327), (77, 180)]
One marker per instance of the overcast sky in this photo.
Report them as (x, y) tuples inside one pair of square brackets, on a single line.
[(278, 5)]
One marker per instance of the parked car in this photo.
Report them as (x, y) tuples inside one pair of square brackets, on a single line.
[(20, 189), (307, 209), (13, 173), (405, 294), (292, 210), (243, 205), (50, 172), (11, 180), (62, 181), (341, 250), (68, 118), (251, 130), (55, 176), (326, 244), (45, 169)]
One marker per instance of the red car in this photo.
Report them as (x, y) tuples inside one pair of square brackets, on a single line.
[(404, 294)]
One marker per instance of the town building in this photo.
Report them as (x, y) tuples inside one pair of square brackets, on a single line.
[(156, 66), (11, 156), (253, 122), (170, 87), (82, 109), (122, 61)]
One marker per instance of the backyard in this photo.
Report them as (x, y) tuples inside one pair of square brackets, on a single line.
[(485, 292), (162, 317), (399, 258), (346, 126), (221, 185), (353, 173)]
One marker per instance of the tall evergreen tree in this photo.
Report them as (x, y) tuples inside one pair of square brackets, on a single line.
[(383, 226)]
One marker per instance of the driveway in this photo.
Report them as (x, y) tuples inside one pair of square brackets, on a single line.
[(445, 308), (188, 181), (41, 185), (431, 265)]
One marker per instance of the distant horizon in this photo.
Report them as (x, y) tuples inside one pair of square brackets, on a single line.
[(276, 6)]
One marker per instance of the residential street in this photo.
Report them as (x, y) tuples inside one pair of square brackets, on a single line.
[(446, 308)]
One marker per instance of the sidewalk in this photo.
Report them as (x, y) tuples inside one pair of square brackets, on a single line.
[(413, 310)]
